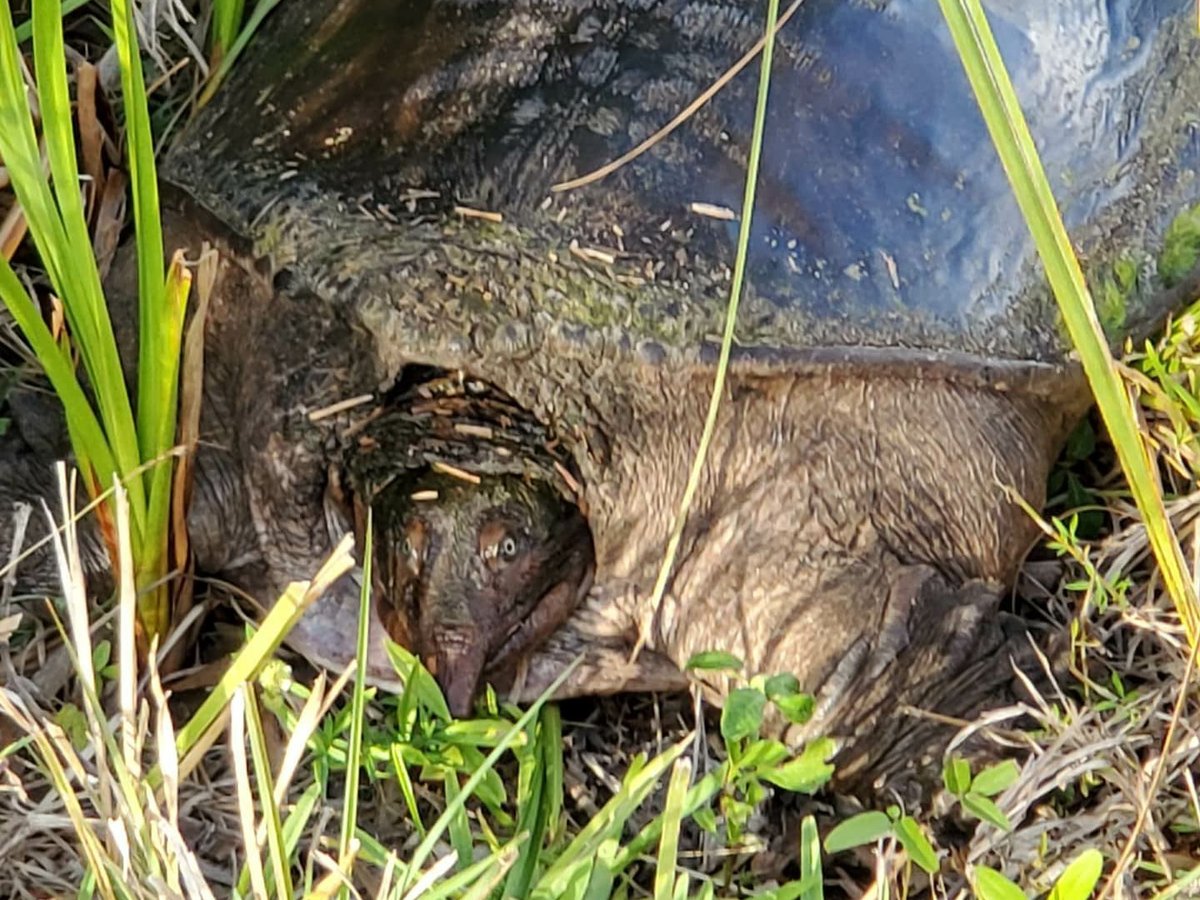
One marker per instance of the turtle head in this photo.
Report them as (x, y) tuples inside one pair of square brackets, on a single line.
[(474, 576)]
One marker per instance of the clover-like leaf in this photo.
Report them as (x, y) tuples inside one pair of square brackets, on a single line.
[(995, 779), (956, 775), (912, 838), (991, 885), (807, 772), (983, 808), (783, 685), (797, 708), (1079, 879), (864, 828), (743, 714)]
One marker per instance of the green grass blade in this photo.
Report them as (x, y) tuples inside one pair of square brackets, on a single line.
[(811, 874), (257, 15), (700, 794), (25, 29), (1014, 144), (668, 846), (458, 826), (226, 17), (735, 294), (158, 346), (264, 780), (87, 437), (550, 731), (60, 235), (609, 822), (536, 803), (358, 703), (404, 780)]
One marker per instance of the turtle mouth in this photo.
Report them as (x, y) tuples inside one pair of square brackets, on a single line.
[(551, 610)]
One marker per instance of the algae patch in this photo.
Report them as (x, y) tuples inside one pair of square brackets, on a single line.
[(1181, 247)]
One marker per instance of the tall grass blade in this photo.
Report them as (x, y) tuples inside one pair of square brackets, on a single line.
[(22, 158), (226, 17), (78, 280), (668, 846), (277, 854), (298, 597), (87, 436), (735, 294), (1014, 144), (160, 311), (358, 703)]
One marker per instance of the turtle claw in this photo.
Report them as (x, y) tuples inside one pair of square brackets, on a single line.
[(942, 654)]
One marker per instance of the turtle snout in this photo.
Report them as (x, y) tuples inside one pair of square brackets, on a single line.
[(456, 660)]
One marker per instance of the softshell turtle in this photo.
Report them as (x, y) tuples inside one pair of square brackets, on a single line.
[(379, 176)]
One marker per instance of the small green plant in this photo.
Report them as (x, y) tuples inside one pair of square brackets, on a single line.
[(753, 759), (974, 792), (1077, 882), (872, 825)]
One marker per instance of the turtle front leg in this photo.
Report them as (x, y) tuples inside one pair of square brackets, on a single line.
[(942, 653)]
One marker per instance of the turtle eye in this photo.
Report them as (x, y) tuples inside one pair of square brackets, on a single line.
[(498, 545)]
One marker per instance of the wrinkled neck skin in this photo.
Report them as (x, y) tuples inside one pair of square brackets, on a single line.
[(817, 491)]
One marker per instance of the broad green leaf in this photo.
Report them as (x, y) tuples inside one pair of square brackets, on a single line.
[(995, 779), (1080, 877), (807, 772), (798, 708), (956, 775), (742, 715), (912, 838), (985, 809), (764, 753), (715, 661), (783, 685), (864, 828), (991, 885), (706, 819)]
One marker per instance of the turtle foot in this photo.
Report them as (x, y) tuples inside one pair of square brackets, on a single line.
[(944, 655)]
